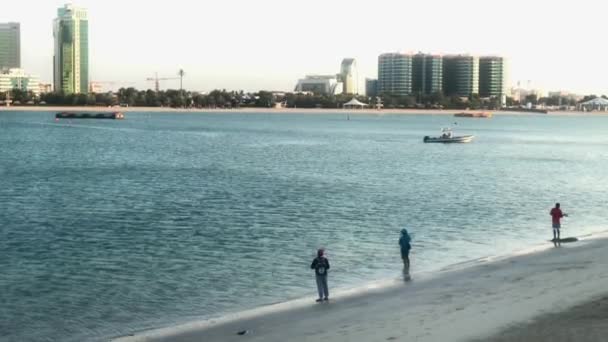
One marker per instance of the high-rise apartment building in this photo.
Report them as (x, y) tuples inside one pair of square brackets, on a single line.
[(493, 77), (71, 59), (427, 75), (460, 75), (395, 74), (10, 45)]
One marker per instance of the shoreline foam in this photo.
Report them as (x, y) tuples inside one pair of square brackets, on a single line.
[(456, 304)]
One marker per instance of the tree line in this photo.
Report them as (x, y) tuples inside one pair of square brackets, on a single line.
[(235, 99)]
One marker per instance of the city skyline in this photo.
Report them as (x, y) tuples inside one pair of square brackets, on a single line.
[(257, 46)]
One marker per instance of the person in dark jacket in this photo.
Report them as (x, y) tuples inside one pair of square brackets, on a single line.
[(321, 265), (404, 242)]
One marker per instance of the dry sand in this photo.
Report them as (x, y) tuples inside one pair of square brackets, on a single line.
[(473, 301), (583, 323)]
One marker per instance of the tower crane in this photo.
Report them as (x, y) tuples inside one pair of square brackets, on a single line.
[(109, 83), (157, 80)]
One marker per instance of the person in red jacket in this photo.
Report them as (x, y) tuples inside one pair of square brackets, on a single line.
[(556, 215)]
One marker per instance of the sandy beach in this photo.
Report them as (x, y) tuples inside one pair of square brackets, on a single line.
[(245, 110), (512, 298), (584, 322), (254, 110)]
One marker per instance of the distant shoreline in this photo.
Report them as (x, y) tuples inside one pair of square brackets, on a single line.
[(253, 110)]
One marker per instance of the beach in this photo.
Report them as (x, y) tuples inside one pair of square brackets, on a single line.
[(584, 322), (496, 299), (252, 110)]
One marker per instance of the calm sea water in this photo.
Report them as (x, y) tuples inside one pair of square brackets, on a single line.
[(108, 227)]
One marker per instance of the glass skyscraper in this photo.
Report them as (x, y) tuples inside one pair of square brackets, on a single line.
[(71, 59), (10, 45), (395, 74)]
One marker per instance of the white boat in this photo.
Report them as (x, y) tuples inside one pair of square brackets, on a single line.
[(446, 137)]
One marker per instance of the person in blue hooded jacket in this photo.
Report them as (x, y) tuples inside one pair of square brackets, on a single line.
[(404, 243)]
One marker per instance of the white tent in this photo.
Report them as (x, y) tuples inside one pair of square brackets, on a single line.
[(354, 103), (598, 103)]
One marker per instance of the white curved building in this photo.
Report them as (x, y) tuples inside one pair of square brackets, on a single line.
[(320, 84), (349, 76)]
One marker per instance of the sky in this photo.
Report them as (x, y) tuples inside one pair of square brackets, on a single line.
[(269, 44)]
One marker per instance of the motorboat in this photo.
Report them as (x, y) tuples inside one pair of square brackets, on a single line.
[(447, 137)]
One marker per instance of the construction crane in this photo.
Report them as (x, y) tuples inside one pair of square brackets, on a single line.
[(157, 80), (93, 84)]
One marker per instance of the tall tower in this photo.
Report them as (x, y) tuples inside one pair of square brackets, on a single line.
[(71, 59), (349, 76), (10, 46)]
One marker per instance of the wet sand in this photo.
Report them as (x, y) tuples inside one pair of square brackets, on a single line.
[(494, 299)]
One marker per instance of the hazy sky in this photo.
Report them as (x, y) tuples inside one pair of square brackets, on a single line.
[(269, 44)]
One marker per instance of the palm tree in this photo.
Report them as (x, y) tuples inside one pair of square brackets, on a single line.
[(181, 74)]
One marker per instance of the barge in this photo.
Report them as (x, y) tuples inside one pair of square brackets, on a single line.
[(81, 115)]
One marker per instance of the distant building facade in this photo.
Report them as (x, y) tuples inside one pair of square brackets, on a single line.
[(395, 74), (565, 94), (96, 88), (71, 59), (320, 85), (520, 94), (427, 74), (371, 87), (460, 75), (18, 79), (349, 76), (45, 88), (493, 77), (10, 45)]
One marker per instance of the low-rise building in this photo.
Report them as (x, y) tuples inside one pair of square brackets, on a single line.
[(19, 79), (566, 94), (320, 84), (45, 88), (520, 94), (96, 87)]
